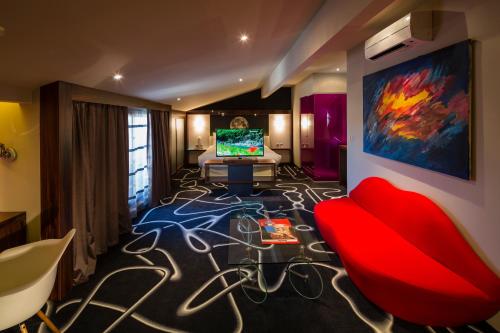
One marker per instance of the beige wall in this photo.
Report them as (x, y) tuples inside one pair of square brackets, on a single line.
[(473, 205), (320, 83), (20, 180)]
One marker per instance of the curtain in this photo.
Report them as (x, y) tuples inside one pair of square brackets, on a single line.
[(139, 151), (160, 164), (100, 179)]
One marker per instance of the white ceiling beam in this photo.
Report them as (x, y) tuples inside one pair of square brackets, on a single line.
[(332, 23)]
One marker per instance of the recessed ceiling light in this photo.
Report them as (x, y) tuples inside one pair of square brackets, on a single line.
[(243, 38), (338, 69), (178, 98), (240, 79), (117, 77)]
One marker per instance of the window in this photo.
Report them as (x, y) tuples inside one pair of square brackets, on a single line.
[(139, 160)]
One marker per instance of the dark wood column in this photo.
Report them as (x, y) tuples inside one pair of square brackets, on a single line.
[(56, 125)]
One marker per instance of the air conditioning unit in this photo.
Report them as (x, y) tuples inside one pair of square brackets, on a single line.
[(413, 29)]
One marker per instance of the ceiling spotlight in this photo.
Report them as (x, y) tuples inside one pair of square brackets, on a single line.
[(240, 79), (244, 38), (338, 69), (178, 98), (117, 77)]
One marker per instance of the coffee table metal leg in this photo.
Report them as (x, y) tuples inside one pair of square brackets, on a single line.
[(305, 278), (252, 281)]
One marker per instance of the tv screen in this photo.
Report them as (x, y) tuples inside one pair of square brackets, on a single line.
[(239, 142)]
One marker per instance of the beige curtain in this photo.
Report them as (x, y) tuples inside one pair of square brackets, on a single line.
[(160, 165), (100, 182)]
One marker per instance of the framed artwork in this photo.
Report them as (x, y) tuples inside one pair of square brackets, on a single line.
[(419, 112)]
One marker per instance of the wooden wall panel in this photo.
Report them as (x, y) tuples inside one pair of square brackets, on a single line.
[(56, 125)]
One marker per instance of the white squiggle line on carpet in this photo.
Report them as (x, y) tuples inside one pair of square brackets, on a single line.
[(185, 309), (311, 248), (303, 227), (130, 310), (379, 327), (140, 318), (157, 232), (224, 244), (308, 192), (232, 301), (176, 275), (475, 329)]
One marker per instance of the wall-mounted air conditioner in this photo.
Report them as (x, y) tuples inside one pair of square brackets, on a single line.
[(413, 29)]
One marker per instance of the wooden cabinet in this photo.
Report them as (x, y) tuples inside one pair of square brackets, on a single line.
[(286, 155), (192, 156), (12, 229)]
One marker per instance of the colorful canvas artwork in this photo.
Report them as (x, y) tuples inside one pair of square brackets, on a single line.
[(418, 112)]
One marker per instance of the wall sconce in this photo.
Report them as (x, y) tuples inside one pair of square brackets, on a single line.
[(199, 124), (279, 123), (305, 122), (7, 153)]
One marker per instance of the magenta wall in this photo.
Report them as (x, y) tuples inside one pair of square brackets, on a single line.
[(321, 162)]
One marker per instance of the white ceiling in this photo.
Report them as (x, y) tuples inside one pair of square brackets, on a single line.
[(165, 49)]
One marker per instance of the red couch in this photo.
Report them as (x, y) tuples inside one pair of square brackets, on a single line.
[(406, 255)]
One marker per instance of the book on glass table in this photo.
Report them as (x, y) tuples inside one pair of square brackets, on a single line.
[(277, 231)]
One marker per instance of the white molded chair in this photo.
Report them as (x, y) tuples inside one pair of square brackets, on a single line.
[(27, 276)]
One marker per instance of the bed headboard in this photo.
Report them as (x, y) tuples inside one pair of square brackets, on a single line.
[(212, 138)]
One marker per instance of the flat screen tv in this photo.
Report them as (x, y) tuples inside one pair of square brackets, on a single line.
[(237, 142)]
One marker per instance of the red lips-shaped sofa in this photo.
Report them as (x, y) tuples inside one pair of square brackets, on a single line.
[(406, 255)]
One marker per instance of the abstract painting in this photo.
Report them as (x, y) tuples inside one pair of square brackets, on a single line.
[(418, 112)]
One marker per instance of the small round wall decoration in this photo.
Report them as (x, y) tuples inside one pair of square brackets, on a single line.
[(239, 122)]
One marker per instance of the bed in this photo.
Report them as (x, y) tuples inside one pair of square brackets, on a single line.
[(259, 171)]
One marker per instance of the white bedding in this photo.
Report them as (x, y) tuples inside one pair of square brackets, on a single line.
[(221, 171)]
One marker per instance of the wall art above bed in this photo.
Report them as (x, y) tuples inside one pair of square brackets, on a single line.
[(419, 112)]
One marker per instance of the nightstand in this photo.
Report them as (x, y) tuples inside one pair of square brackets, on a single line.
[(192, 155)]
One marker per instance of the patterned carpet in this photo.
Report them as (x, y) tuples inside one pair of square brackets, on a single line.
[(172, 274)]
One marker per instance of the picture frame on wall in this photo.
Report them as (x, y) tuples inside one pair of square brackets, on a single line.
[(419, 112)]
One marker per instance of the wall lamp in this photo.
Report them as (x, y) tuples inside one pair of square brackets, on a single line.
[(7, 153), (279, 123), (199, 124)]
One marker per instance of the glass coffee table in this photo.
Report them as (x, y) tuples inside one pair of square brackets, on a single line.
[(252, 257)]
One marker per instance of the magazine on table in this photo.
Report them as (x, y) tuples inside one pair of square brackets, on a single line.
[(277, 231)]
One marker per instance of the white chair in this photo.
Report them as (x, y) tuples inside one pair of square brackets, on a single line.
[(27, 276)]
